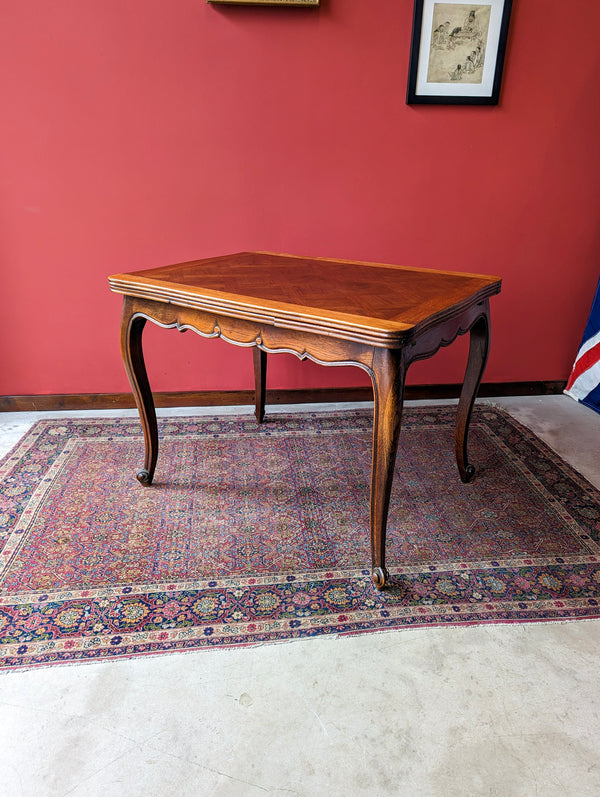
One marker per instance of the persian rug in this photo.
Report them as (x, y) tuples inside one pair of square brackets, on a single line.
[(255, 533)]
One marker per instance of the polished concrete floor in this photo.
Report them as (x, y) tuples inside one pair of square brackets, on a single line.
[(500, 710)]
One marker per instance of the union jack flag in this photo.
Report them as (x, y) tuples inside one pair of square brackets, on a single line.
[(584, 382)]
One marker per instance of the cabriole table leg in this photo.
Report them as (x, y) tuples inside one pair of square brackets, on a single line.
[(478, 352), (388, 392), (260, 382), (132, 327)]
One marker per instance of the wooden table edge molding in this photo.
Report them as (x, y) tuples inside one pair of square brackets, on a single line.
[(278, 314), (253, 311)]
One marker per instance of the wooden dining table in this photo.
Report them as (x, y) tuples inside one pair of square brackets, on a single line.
[(378, 317)]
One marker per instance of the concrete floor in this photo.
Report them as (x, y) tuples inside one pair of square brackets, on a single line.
[(500, 710)]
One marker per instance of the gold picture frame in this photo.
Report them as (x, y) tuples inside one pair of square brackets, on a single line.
[(297, 3)]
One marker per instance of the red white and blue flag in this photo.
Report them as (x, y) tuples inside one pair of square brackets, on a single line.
[(584, 382)]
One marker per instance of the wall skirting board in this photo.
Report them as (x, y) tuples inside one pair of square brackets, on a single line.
[(216, 398)]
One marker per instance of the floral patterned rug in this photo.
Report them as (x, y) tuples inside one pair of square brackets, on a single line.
[(255, 533)]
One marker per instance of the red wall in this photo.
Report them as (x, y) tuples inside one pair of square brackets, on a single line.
[(138, 132)]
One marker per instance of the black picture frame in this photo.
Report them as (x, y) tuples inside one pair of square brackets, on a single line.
[(441, 70)]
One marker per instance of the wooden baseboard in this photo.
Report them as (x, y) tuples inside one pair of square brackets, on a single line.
[(221, 398)]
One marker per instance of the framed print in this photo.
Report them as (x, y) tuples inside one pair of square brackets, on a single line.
[(457, 51)]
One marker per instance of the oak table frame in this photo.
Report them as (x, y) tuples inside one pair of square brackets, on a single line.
[(380, 318)]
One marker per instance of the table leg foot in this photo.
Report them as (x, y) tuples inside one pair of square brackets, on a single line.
[(379, 577), (143, 477), (468, 474)]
